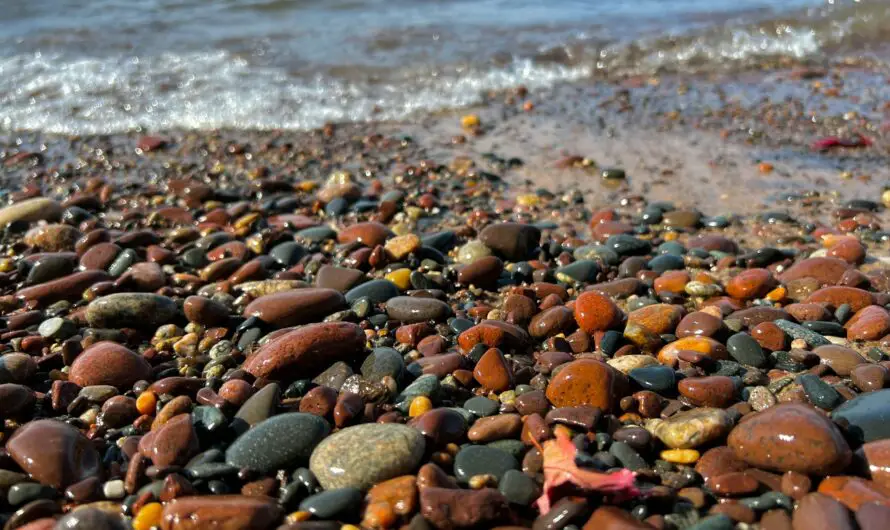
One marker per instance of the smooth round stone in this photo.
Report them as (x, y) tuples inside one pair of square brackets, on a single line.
[(626, 245), (744, 349), (597, 252), (306, 350), (866, 417), (296, 307), (656, 378), (475, 460), (383, 362), (53, 453), (25, 492), (316, 234), (89, 518), (16, 400), (109, 363), (441, 241), (691, 428), (472, 251), (330, 504), (441, 426), (699, 323), (337, 278), (287, 254), (791, 437), (584, 270), (37, 209), (481, 406), (263, 447), (220, 512), (367, 454), (51, 267), (410, 309), (16, 367), (819, 392), (518, 488), (666, 262), (131, 310), (425, 385), (57, 328), (513, 241), (378, 291), (587, 382), (122, 262)]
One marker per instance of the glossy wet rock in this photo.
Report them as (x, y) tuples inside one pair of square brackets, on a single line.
[(109, 363), (791, 437), (587, 382), (364, 455), (53, 453), (306, 350), (223, 512), (260, 448), (135, 310), (299, 306)]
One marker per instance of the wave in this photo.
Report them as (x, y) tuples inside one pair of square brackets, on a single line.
[(221, 89)]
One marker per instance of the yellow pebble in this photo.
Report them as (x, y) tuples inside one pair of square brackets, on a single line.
[(307, 185), (297, 517), (400, 277), (470, 121), (349, 527), (680, 456), (419, 405), (6, 265), (671, 236), (885, 198), (528, 200), (146, 403), (777, 294), (149, 516)]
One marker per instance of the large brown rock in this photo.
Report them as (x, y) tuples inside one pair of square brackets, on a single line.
[(53, 453), (587, 382), (296, 307), (791, 437), (109, 363), (221, 512), (307, 350)]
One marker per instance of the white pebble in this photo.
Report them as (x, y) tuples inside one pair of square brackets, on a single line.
[(114, 489)]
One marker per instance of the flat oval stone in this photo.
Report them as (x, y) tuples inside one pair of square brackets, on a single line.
[(383, 362), (367, 454), (205, 311), (475, 460), (827, 271), (596, 312), (109, 363), (840, 359), (791, 437), (53, 453), (837, 296), (378, 291), (296, 307), (744, 349), (513, 241), (691, 428), (441, 426), (866, 417), (131, 310), (587, 382), (37, 209), (333, 503), (410, 309), (338, 278), (262, 448), (220, 512), (307, 350)]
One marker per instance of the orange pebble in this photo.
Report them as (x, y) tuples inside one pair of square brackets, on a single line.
[(379, 515), (765, 167), (146, 403), (149, 516)]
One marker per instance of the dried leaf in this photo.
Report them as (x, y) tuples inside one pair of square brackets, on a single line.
[(560, 468)]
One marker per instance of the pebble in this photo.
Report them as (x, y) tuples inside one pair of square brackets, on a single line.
[(53, 453), (692, 428), (296, 307), (364, 455), (587, 382), (791, 437), (410, 309), (476, 460), (307, 350), (256, 449), (30, 210), (109, 363), (135, 310), (866, 417)]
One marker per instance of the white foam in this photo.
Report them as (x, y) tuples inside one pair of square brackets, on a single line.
[(218, 90)]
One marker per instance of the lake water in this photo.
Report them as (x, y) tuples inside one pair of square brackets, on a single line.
[(96, 66)]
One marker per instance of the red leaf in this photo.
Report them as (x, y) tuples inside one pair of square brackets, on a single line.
[(560, 468), (830, 142)]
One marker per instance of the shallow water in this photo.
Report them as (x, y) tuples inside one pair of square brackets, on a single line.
[(75, 66)]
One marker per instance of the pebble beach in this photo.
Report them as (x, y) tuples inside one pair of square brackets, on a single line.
[(652, 301)]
